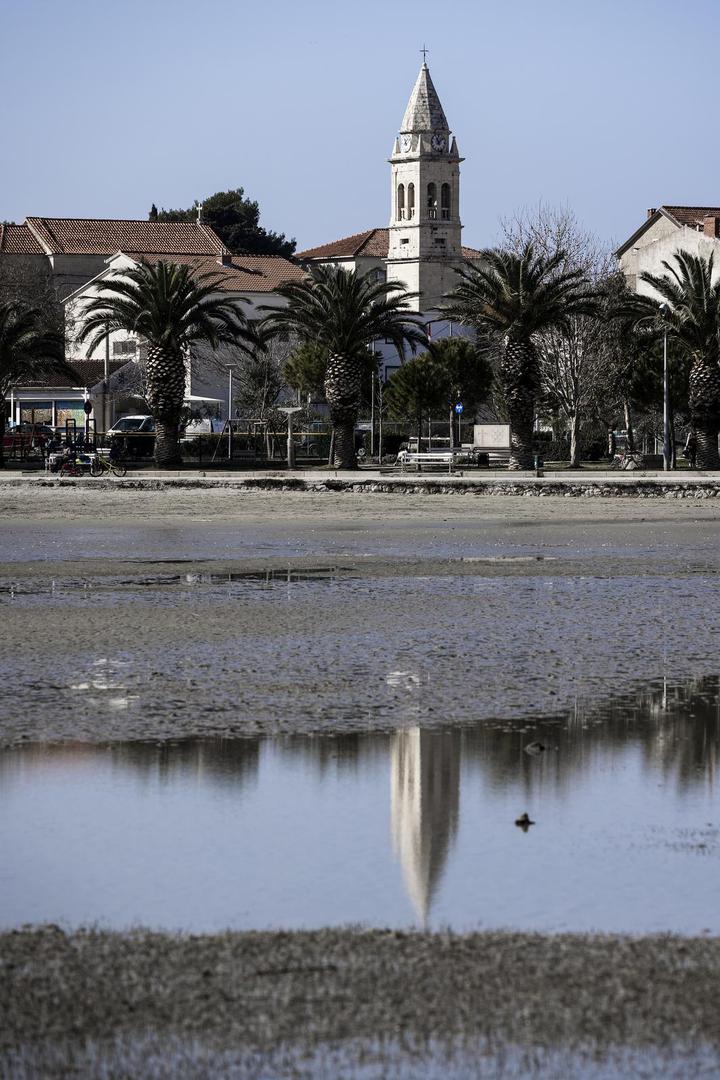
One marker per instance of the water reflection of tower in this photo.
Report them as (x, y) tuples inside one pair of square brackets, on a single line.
[(425, 791)]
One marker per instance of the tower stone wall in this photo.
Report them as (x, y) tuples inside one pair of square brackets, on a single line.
[(425, 229)]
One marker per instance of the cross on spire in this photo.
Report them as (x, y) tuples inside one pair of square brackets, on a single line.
[(424, 51)]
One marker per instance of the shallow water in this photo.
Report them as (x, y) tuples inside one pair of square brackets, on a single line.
[(410, 828)]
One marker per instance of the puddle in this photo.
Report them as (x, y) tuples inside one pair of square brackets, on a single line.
[(415, 827)]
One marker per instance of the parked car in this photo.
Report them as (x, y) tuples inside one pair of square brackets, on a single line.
[(133, 425), (136, 434)]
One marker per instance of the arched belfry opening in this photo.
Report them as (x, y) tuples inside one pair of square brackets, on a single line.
[(432, 200), (445, 202), (410, 201), (401, 202)]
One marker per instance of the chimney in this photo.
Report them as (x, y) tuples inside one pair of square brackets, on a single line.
[(711, 226), (651, 210), (225, 258)]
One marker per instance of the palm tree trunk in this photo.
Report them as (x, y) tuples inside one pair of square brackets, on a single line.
[(167, 444), (344, 433), (343, 383), (166, 393), (520, 379), (704, 399), (706, 432)]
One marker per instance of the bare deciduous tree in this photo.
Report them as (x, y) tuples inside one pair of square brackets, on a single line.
[(578, 363)]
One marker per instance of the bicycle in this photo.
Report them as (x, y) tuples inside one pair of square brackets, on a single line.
[(100, 465), (72, 467)]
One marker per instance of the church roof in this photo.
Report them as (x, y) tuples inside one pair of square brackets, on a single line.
[(101, 236), (424, 111), (242, 274), (372, 242), (18, 240)]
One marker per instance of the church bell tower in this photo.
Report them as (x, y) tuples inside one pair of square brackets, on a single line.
[(425, 244)]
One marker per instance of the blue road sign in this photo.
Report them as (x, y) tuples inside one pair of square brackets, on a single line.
[(459, 407)]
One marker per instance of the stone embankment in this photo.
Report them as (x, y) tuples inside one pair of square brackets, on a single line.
[(599, 485)]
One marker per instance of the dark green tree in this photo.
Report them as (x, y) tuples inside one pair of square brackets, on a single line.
[(236, 220), (171, 310), (306, 367), (417, 390), (467, 371), (29, 347), (344, 312), (514, 297)]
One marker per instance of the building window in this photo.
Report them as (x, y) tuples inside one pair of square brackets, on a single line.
[(432, 201), (404, 240), (445, 201), (400, 202), (124, 348), (411, 201)]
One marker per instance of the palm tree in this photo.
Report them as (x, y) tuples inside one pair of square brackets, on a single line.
[(691, 314), (514, 297), (171, 309), (28, 348), (345, 312)]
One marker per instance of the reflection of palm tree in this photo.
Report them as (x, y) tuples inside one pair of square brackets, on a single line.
[(425, 792)]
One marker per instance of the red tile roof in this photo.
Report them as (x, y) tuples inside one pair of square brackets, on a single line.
[(88, 373), (244, 273), (93, 236), (91, 372), (18, 240), (691, 215), (372, 242)]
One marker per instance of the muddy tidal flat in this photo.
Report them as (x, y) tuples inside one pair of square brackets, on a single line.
[(288, 735)]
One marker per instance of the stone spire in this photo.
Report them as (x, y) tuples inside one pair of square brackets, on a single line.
[(424, 111)]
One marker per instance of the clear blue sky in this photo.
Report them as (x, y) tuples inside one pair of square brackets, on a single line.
[(109, 105)]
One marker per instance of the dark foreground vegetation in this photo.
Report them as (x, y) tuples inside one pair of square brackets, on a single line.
[(242, 997)]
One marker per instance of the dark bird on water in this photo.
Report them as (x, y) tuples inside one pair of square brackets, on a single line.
[(535, 748), (524, 822)]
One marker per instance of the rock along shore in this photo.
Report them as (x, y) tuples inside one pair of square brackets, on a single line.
[(594, 485)]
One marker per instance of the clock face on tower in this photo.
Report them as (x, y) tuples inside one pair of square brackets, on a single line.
[(438, 142), (405, 143)]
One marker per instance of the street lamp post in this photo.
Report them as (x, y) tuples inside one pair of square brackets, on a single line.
[(667, 455)]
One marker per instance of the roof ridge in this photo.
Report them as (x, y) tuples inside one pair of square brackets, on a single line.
[(129, 221)]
